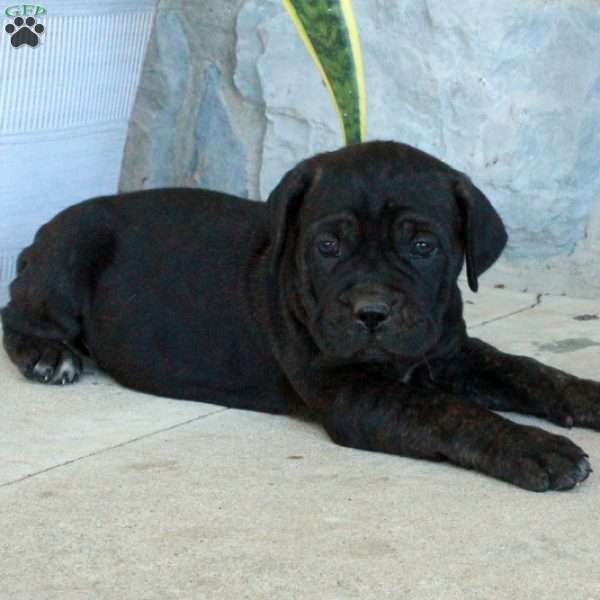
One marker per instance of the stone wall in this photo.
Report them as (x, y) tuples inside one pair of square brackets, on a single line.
[(508, 92), (190, 125)]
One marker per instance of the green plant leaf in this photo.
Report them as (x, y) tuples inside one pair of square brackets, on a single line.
[(329, 33)]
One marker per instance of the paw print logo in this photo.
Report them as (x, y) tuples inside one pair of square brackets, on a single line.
[(24, 31)]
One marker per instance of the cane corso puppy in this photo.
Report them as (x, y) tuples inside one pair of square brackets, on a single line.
[(339, 295)]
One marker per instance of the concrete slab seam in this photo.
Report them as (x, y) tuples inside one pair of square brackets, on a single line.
[(108, 448), (538, 301)]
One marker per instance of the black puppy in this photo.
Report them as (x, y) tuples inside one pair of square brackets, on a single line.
[(339, 294)]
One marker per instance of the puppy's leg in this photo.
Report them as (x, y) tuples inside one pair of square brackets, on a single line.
[(426, 424), (503, 381), (42, 322)]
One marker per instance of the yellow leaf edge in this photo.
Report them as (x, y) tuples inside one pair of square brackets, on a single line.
[(346, 6)]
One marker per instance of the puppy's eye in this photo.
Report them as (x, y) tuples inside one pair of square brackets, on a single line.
[(329, 246), (422, 249)]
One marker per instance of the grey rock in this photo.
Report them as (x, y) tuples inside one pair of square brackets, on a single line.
[(152, 139), (163, 148), (174, 59), (508, 92), (219, 160), (249, 45)]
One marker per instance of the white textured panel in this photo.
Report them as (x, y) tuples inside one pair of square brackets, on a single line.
[(8, 264), (51, 170), (85, 70), (64, 111)]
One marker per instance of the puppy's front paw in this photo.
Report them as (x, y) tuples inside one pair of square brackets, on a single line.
[(576, 403), (539, 461)]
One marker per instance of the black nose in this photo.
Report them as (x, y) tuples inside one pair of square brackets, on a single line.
[(372, 314)]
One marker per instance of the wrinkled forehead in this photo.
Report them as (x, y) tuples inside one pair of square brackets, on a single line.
[(429, 195)]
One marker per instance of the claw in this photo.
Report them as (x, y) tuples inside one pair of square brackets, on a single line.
[(583, 470)]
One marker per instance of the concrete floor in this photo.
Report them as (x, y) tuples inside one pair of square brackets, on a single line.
[(108, 493)]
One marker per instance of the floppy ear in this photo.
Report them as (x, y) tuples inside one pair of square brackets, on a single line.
[(484, 232), (283, 206)]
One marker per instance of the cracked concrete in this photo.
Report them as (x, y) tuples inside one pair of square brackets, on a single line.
[(108, 493), (512, 304)]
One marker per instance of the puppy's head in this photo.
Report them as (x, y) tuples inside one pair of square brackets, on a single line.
[(371, 239)]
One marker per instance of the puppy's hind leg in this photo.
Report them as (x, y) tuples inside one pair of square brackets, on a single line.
[(42, 322)]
